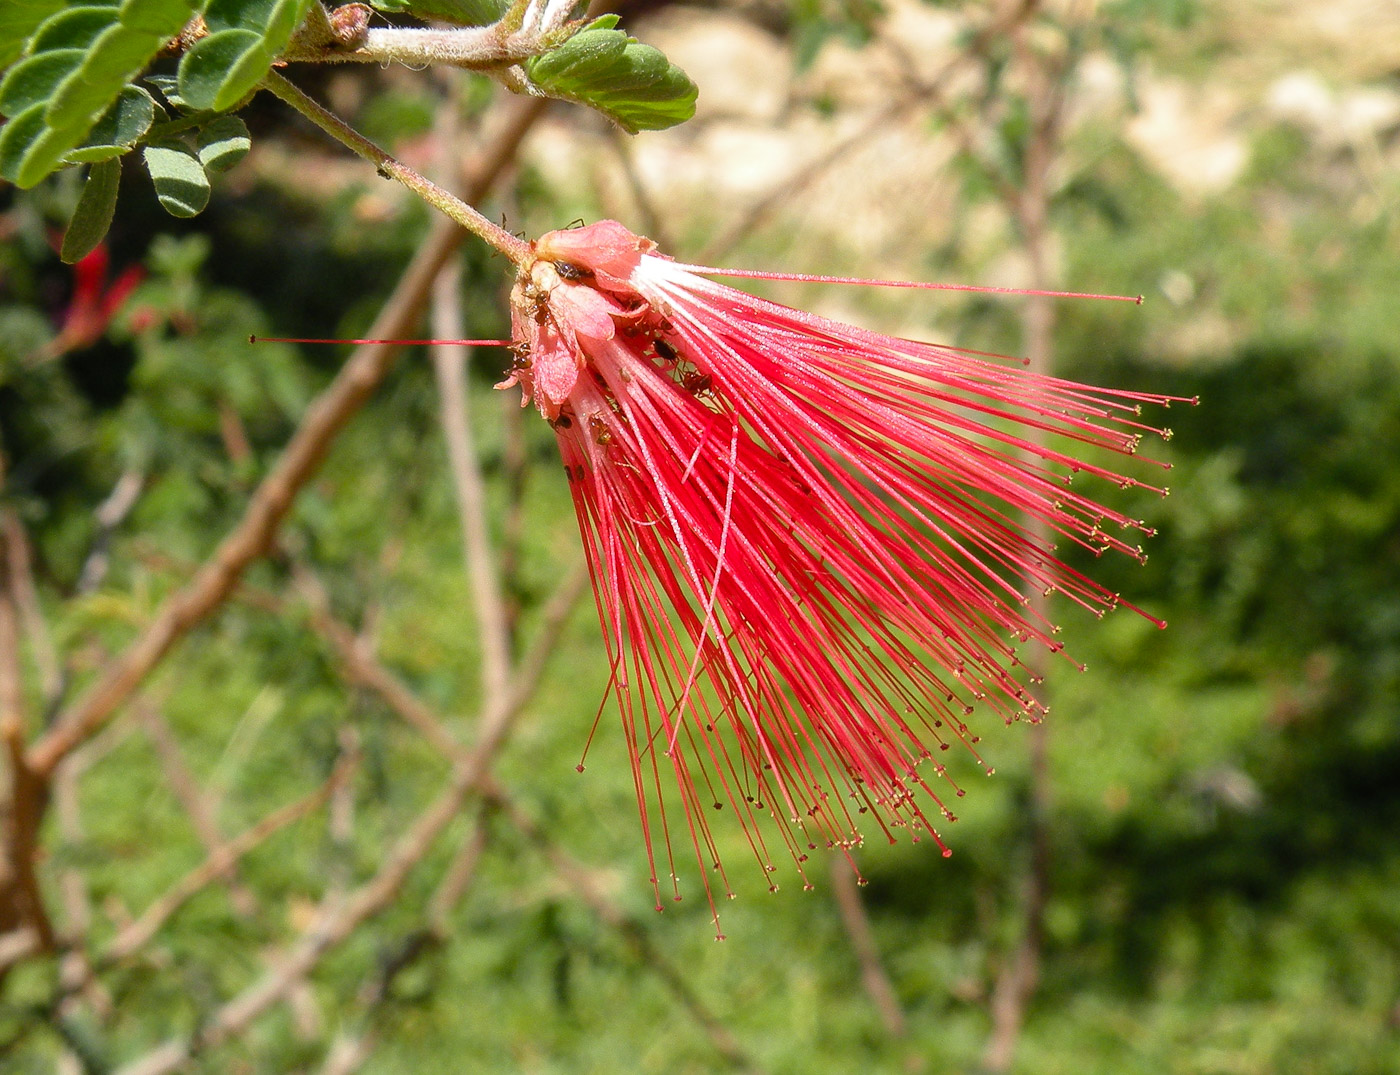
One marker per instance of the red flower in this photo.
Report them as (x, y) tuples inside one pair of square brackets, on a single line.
[(808, 541), (94, 302)]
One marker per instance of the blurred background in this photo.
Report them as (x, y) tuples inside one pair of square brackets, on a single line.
[(1192, 868)]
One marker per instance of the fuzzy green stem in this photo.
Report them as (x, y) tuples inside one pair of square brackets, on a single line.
[(516, 249)]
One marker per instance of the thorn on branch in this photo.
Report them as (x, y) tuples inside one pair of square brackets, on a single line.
[(349, 25)]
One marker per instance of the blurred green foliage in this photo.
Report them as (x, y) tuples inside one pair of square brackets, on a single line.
[(1224, 868)]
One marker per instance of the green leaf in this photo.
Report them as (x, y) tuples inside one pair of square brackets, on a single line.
[(120, 127), (44, 154), (222, 67), (633, 84), (72, 28), (168, 85), (275, 20), (238, 14), (223, 143), (164, 17), (460, 12), (93, 216), (286, 17), (32, 81), (118, 54), (596, 44), (180, 182), (17, 137), (19, 19)]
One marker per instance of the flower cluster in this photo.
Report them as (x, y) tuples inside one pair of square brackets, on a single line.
[(810, 544)]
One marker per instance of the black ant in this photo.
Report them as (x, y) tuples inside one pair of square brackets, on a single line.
[(567, 270), (697, 383)]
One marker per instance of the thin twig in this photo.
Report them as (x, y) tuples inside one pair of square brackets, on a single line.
[(760, 211), (457, 879), (26, 598), (108, 516), (21, 899), (75, 972), (580, 881), (135, 935), (352, 1049), (454, 415), (390, 167), (449, 364), (920, 92), (192, 798), (1016, 984), (270, 502), (335, 923), (867, 951)]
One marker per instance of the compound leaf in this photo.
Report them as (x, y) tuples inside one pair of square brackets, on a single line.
[(219, 69), (93, 215), (120, 127), (180, 182), (222, 143), (633, 84)]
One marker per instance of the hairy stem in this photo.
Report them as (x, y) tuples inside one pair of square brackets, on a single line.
[(476, 48), (389, 167)]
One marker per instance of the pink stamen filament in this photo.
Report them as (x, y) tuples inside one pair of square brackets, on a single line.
[(921, 285), (401, 343)]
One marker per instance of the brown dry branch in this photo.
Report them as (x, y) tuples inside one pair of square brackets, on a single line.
[(137, 934), (25, 595), (582, 882), (252, 536), (352, 1048), (192, 798), (21, 900), (75, 970), (653, 222), (844, 883), (348, 1053), (457, 879), (449, 365), (108, 517), (1016, 983), (338, 920), (366, 671), (75, 974)]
